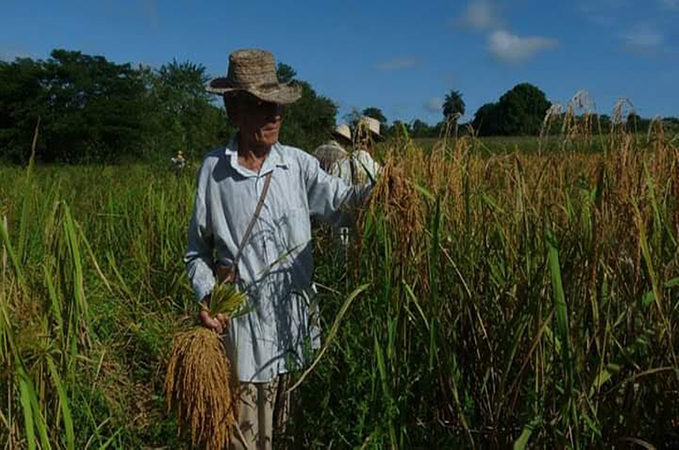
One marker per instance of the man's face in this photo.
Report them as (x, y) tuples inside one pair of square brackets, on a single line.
[(259, 122)]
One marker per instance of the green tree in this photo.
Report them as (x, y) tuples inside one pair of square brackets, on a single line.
[(487, 120), (22, 101), (285, 73), (522, 110), (671, 123), (420, 129), (90, 107), (453, 104), (181, 115), (453, 108), (310, 120)]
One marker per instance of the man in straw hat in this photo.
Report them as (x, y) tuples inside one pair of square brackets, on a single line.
[(252, 211)]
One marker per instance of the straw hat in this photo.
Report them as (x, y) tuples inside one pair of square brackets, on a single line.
[(343, 132), (371, 124), (254, 71)]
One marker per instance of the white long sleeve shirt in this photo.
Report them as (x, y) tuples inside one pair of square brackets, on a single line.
[(276, 264)]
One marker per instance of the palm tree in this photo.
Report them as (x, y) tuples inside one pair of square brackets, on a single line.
[(453, 108)]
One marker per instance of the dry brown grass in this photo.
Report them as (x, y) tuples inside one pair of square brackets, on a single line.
[(199, 384)]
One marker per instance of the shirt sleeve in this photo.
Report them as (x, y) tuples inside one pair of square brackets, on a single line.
[(330, 198), (198, 257)]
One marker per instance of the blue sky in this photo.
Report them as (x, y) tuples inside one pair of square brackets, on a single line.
[(402, 57)]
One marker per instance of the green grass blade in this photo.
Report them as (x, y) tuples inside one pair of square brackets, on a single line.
[(331, 335), (39, 418), (386, 390), (14, 259), (109, 441), (26, 203), (63, 404), (561, 319), (522, 441), (25, 400)]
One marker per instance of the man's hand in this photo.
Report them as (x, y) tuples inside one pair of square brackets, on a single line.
[(220, 323)]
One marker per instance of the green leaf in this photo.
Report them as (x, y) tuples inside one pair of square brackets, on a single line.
[(25, 398), (522, 441), (333, 331), (63, 403), (225, 299)]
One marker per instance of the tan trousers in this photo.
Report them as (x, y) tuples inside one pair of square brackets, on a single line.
[(264, 408)]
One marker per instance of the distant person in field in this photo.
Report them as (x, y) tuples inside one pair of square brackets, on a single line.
[(257, 184), (336, 149), (178, 162), (359, 167)]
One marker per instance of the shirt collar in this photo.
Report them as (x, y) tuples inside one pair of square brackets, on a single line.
[(276, 158)]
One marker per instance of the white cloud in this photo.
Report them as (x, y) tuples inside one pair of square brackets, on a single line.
[(508, 47), (643, 39), (399, 63), (434, 105), (670, 4), (481, 15)]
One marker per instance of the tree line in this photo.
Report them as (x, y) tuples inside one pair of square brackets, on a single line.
[(94, 110)]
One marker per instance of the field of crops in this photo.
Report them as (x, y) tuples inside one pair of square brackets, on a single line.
[(487, 300)]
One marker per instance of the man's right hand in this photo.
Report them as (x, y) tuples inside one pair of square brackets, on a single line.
[(219, 323)]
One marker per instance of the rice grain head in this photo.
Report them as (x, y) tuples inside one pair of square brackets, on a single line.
[(201, 387), (395, 197)]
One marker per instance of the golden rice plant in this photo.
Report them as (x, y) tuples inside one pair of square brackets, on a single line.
[(200, 382), (395, 209), (396, 196)]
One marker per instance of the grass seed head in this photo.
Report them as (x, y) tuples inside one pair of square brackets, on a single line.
[(396, 199), (201, 387)]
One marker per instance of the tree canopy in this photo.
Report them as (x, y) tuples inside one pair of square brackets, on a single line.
[(453, 104), (487, 119), (519, 111), (87, 105), (184, 116), (95, 110), (310, 120), (285, 73)]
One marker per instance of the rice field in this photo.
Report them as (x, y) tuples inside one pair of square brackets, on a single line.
[(524, 299)]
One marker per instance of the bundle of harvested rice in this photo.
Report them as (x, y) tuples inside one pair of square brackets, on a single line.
[(200, 383)]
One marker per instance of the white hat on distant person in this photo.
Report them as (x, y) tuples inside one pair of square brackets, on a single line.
[(371, 124), (342, 131)]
